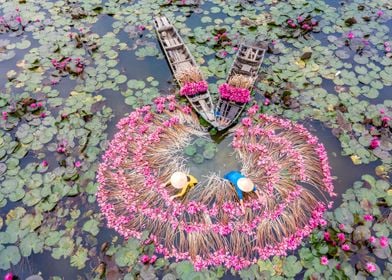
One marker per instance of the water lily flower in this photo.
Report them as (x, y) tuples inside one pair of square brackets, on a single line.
[(33, 105), (42, 115), (78, 164), (300, 18), (375, 143), (341, 237), (384, 242), (324, 260), (4, 115), (145, 259), (193, 88), (153, 259), (141, 27), (379, 13), (350, 35), (246, 121), (346, 247), (9, 276), (368, 217), (370, 267), (44, 163), (385, 121), (327, 236), (18, 19), (372, 239)]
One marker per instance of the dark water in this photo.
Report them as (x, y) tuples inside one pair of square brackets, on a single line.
[(342, 167)]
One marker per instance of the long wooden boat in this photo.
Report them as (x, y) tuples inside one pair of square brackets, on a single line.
[(180, 59), (247, 63)]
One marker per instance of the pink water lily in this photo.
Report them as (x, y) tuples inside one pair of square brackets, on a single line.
[(370, 267), (193, 88), (228, 92), (350, 35), (324, 260)]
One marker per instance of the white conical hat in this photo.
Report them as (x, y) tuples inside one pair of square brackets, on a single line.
[(178, 180), (245, 184)]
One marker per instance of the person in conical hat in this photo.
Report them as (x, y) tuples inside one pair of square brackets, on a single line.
[(241, 184), (180, 180)]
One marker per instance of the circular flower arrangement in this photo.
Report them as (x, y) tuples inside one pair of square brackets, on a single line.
[(208, 226)]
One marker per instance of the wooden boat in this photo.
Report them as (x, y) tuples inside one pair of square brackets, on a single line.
[(247, 63), (180, 59)]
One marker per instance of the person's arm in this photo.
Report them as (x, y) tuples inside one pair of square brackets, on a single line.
[(183, 191)]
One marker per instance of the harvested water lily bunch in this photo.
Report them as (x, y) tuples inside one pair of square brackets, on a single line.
[(240, 81), (189, 75)]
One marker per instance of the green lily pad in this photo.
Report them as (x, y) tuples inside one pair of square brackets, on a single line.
[(190, 150), (9, 255)]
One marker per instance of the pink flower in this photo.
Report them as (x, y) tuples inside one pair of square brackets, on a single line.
[(253, 110), (385, 121), (193, 88), (228, 92), (379, 13), (324, 260), (384, 242), (368, 217), (388, 49), (350, 35), (372, 239), (43, 115), (77, 164), (44, 163), (153, 259), (341, 237), (33, 105), (266, 102), (18, 19), (375, 143), (39, 104), (341, 226), (246, 121), (300, 18), (9, 276), (346, 247), (141, 27), (145, 259), (4, 115), (327, 236), (370, 267)]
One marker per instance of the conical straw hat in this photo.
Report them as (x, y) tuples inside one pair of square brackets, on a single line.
[(245, 184), (178, 180)]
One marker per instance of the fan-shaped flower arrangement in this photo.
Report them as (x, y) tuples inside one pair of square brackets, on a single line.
[(208, 225)]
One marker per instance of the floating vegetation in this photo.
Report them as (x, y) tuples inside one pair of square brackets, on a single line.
[(55, 123)]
